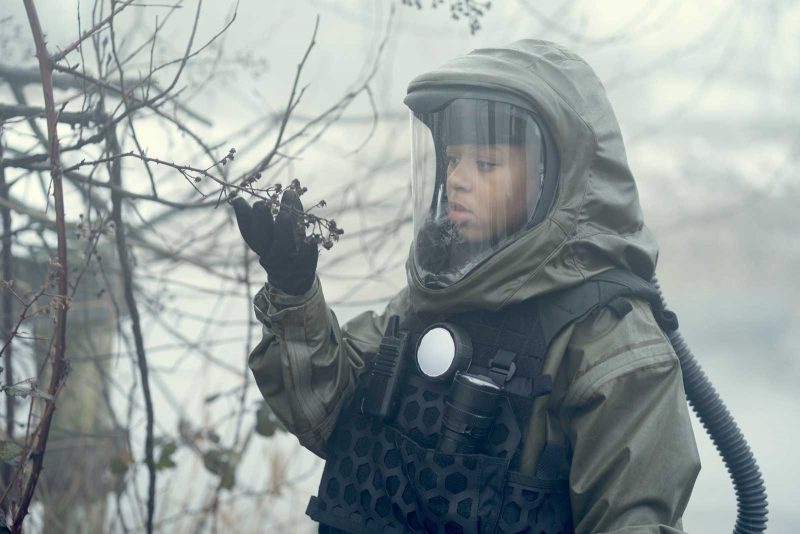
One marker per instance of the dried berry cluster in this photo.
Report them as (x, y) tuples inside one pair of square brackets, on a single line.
[(472, 10), (323, 231), (229, 157)]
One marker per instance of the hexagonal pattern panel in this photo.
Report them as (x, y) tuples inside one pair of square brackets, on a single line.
[(529, 510), (420, 412), (458, 490), (389, 478)]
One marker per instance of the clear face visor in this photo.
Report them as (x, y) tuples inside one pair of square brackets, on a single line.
[(478, 174)]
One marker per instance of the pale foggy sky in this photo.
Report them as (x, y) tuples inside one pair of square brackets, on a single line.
[(675, 71)]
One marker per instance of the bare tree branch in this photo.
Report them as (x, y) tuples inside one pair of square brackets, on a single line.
[(59, 368), (32, 112), (88, 33), (127, 278), (294, 99), (8, 310)]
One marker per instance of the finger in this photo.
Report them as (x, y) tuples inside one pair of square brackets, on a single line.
[(244, 220), (262, 227), (283, 241), (291, 200), (293, 209)]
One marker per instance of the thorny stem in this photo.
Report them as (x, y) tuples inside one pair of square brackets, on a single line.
[(58, 361)]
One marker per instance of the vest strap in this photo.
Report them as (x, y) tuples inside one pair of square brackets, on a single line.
[(610, 289), (502, 367)]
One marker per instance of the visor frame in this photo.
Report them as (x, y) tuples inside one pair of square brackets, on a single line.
[(432, 100)]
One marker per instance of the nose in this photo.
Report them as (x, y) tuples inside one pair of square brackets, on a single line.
[(460, 177)]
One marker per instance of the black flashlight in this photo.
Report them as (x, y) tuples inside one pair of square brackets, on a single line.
[(469, 411)]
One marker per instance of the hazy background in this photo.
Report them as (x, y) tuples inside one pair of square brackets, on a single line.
[(708, 98)]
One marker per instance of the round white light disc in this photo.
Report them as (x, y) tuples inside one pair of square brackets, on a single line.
[(436, 352)]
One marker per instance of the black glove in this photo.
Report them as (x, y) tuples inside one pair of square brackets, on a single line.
[(282, 250)]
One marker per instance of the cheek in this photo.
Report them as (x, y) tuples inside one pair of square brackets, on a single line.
[(520, 187), (491, 199), (516, 202)]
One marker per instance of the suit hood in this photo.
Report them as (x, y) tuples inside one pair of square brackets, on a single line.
[(595, 222)]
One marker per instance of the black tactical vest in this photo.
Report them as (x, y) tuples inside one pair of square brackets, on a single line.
[(387, 476)]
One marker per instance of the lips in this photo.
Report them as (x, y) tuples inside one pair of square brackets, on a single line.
[(458, 213)]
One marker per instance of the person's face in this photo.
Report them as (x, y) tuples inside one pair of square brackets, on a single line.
[(486, 189)]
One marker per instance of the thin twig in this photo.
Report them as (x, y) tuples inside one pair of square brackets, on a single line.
[(264, 164), (88, 33), (115, 173), (7, 326), (131, 126), (23, 316)]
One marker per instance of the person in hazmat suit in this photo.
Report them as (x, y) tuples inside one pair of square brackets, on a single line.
[(522, 380)]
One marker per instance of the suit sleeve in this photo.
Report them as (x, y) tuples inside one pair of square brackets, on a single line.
[(306, 364), (634, 457)]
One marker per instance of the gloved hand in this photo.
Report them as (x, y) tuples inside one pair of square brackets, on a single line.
[(290, 262)]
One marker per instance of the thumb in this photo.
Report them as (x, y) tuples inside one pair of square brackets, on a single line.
[(244, 219)]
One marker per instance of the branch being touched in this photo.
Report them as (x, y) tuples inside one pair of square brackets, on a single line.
[(323, 231)]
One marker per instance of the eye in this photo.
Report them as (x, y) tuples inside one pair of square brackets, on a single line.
[(485, 166)]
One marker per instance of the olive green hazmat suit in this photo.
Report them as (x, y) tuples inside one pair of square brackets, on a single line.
[(618, 402)]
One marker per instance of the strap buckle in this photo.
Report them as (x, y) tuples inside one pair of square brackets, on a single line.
[(502, 366)]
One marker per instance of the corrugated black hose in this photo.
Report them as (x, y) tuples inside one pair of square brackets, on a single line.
[(751, 493)]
